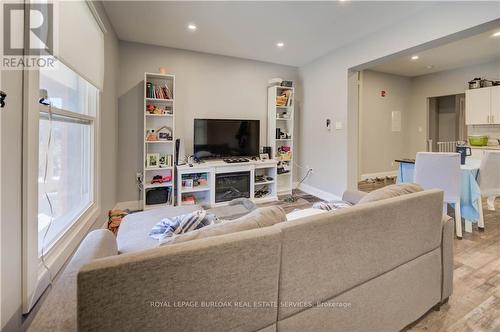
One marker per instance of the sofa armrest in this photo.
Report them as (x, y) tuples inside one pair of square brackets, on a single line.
[(139, 291), (99, 243), (353, 196), (448, 235), (62, 297)]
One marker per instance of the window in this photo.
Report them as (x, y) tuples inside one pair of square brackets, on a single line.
[(65, 153)]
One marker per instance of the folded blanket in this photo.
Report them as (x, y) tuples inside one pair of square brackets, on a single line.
[(182, 224), (331, 206)]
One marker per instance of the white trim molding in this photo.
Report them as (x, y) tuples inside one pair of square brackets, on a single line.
[(324, 195), (37, 273), (131, 205), (60, 253)]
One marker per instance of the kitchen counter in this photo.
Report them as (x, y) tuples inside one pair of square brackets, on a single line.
[(486, 147)]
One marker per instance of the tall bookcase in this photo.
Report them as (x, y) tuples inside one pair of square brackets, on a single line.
[(159, 140), (280, 134)]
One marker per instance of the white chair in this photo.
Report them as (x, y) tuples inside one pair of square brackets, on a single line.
[(434, 170), (489, 177)]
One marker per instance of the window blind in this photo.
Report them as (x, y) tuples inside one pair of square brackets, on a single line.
[(80, 40)]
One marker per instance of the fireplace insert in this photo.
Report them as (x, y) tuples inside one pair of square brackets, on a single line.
[(229, 186)]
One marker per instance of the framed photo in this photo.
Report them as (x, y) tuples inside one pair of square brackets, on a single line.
[(162, 162), (264, 156), (187, 183), (152, 160), (164, 134)]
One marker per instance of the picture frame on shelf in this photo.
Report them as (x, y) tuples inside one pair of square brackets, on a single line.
[(152, 160), (187, 183), (164, 134), (162, 161)]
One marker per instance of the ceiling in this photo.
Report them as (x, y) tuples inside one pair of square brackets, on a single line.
[(251, 29), (480, 48)]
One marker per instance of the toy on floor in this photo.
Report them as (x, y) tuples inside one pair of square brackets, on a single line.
[(115, 218)]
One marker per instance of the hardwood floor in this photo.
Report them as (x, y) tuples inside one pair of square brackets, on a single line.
[(475, 302)]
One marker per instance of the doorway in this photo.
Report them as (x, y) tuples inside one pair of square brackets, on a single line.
[(446, 122)]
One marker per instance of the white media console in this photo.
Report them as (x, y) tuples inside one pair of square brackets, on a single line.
[(215, 182)]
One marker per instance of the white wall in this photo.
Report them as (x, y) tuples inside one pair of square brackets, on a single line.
[(209, 86), (11, 153), (379, 145), (109, 120), (325, 83)]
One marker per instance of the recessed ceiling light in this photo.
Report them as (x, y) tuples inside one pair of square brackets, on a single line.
[(192, 27), (280, 44), (415, 57), (496, 34)]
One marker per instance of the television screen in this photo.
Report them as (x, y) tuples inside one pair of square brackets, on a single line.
[(218, 138)]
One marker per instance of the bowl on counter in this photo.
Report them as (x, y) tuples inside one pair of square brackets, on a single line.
[(478, 140)]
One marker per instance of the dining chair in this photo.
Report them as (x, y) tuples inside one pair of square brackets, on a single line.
[(489, 177), (437, 170)]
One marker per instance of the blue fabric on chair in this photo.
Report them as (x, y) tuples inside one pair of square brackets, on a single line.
[(469, 192), (406, 173)]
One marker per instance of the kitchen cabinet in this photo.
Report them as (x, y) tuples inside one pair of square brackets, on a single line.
[(477, 152), (495, 104), (482, 106)]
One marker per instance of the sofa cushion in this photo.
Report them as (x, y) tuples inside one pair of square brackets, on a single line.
[(133, 233), (391, 191), (303, 213), (262, 217)]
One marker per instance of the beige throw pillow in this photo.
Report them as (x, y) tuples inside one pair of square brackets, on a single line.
[(261, 217), (394, 190)]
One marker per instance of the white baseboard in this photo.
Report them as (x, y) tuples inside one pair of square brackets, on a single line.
[(131, 205), (324, 195), (378, 175)]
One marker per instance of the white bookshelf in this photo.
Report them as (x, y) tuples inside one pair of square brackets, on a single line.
[(162, 147), (281, 117)]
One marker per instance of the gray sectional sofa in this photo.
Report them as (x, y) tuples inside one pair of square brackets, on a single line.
[(373, 267)]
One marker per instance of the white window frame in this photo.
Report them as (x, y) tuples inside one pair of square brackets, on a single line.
[(36, 278)]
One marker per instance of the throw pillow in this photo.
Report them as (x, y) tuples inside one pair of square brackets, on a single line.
[(184, 223), (261, 217), (394, 190)]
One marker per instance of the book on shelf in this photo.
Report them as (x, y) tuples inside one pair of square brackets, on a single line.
[(161, 91)]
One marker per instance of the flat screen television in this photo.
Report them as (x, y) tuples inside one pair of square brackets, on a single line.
[(220, 138)]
